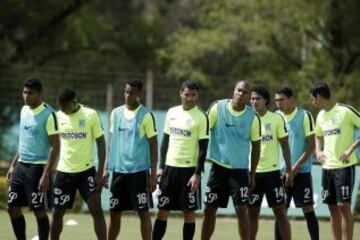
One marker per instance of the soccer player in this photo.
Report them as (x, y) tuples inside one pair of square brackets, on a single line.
[(268, 177), (235, 135), (300, 125), (334, 131), (133, 151), (30, 170), (79, 128), (183, 153)]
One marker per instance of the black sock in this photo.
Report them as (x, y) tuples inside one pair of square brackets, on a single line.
[(312, 224), (43, 227), (19, 227), (277, 231), (188, 231), (159, 229)]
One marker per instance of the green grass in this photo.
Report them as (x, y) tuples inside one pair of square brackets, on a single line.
[(225, 228)]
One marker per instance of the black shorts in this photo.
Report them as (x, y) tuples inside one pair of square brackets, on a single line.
[(268, 183), (23, 189), (224, 182), (301, 190), (337, 185), (174, 193), (130, 191), (66, 184)]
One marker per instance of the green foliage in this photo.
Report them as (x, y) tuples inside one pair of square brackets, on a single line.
[(3, 192)]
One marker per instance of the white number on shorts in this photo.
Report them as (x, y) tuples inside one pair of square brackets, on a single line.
[(37, 198), (141, 198), (345, 191), (307, 193), (279, 192), (191, 197), (244, 192)]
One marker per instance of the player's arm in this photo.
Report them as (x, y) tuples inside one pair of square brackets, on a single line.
[(150, 131), (12, 166), (319, 143), (310, 143), (98, 134), (282, 134), (212, 114), (163, 150), (203, 145), (255, 149), (107, 157), (53, 131), (346, 154)]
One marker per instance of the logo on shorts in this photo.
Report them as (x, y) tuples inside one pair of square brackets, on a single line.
[(62, 199), (324, 194), (211, 197), (81, 123), (163, 201), (254, 198), (113, 202), (12, 196), (57, 191), (91, 181)]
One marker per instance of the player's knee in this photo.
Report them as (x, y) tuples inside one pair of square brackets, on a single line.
[(307, 208), (189, 216), (58, 213), (14, 212), (40, 214), (210, 210), (162, 215), (96, 211)]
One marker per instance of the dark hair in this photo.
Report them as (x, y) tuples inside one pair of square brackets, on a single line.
[(321, 89), (135, 83), (263, 92), (66, 95), (190, 84), (288, 92), (33, 83)]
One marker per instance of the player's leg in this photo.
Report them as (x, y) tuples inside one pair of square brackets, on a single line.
[(215, 190), (141, 200), (328, 194), (281, 218), (303, 198), (209, 220), (16, 199), (145, 224), (335, 220), (344, 184), (238, 182), (160, 224), (254, 212), (64, 197), (87, 188), (117, 198), (189, 225), (255, 204), (114, 225), (57, 223), (275, 195), (39, 203), (165, 202)]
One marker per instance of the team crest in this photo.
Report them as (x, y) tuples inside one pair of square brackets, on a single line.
[(81, 123), (268, 127), (188, 122), (334, 120)]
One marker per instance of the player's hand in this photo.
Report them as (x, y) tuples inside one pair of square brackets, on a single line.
[(345, 155), (321, 157), (105, 178), (44, 183), (10, 173), (193, 182), (252, 181), (100, 181), (295, 170), (153, 182), (288, 178)]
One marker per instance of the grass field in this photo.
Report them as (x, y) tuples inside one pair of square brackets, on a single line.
[(225, 228)]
